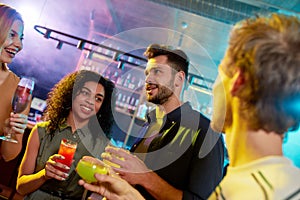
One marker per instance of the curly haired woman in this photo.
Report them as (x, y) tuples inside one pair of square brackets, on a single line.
[(79, 108)]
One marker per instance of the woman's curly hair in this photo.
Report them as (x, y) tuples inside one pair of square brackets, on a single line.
[(60, 98)]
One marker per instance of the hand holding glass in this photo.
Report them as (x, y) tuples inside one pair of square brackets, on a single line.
[(114, 143), (67, 149), (88, 166), (20, 102)]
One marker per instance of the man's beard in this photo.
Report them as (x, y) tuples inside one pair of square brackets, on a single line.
[(164, 93)]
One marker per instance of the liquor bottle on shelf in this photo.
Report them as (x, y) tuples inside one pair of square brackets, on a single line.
[(99, 50), (130, 59), (121, 57), (127, 80), (127, 102), (141, 82), (108, 52), (115, 76), (122, 102), (137, 62), (135, 105), (142, 111), (107, 73), (132, 83), (131, 105), (118, 76), (119, 99), (119, 81)]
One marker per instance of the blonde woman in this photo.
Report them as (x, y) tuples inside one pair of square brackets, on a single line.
[(11, 36)]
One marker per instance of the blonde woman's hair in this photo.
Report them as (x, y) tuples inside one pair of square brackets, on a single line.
[(7, 17)]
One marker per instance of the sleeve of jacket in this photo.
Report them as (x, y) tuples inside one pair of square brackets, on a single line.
[(206, 169)]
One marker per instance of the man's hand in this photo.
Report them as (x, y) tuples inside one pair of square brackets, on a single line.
[(131, 168), (112, 187)]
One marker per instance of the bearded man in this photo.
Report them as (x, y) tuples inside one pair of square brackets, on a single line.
[(183, 157)]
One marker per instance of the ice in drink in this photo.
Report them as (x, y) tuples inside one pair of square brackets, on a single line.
[(67, 149)]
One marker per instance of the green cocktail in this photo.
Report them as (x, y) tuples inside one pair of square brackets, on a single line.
[(86, 169)]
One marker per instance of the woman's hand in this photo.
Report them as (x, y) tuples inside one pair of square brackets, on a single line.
[(56, 170), (17, 123)]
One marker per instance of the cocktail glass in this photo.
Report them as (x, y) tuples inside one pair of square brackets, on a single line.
[(67, 149), (20, 101), (88, 166)]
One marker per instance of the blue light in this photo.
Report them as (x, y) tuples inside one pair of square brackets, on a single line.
[(291, 148)]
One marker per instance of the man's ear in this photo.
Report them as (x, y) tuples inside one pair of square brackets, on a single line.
[(179, 78), (238, 84)]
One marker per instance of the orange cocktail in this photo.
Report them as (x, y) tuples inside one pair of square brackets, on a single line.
[(67, 149)]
